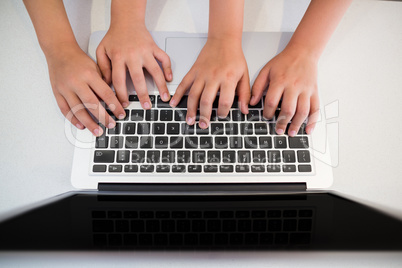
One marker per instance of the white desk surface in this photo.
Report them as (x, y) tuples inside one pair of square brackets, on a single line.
[(360, 69)]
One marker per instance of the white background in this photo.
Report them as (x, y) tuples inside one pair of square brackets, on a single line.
[(361, 69)]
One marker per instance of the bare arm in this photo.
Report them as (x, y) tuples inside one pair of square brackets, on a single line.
[(292, 74), (221, 66)]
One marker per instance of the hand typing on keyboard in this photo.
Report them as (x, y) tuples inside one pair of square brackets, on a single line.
[(221, 66)]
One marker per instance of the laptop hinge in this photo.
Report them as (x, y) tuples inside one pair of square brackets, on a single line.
[(203, 188)]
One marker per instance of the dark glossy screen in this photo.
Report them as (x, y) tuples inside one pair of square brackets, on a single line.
[(316, 221)]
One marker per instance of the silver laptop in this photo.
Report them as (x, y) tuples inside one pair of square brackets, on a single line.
[(157, 149)]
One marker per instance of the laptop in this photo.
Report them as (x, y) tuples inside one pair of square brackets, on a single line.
[(157, 149)]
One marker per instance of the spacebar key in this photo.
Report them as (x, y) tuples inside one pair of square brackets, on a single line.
[(104, 156)]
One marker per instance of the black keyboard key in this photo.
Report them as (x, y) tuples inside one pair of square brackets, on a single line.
[(133, 98), (201, 131), (161, 142), (115, 130), (258, 105), (217, 129), (214, 157), (198, 156), (162, 168), (231, 129), (158, 128), (221, 142), (102, 142), (265, 142), (304, 168), (280, 142), (129, 128), (206, 143), (176, 142), (178, 168), (103, 156), (289, 168), (131, 142), (257, 168), (274, 156), (143, 128), (153, 156), (298, 142), (161, 104), (191, 142), (116, 142), (187, 129), (168, 156), (229, 157), (250, 142), (215, 104), (288, 156), (237, 115), (137, 156), (99, 168), (272, 128), (235, 103), (183, 156), (115, 168), (302, 130), (226, 168), (303, 156), (273, 168), (243, 157), (236, 142), (172, 128), (259, 157), (131, 168), (146, 142), (253, 115), (210, 168), (151, 115), (152, 98), (242, 168), (180, 115), (213, 116), (183, 102), (246, 129), (147, 168), (194, 168), (137, 115), (166, 115), (123, 156), (261, 128)]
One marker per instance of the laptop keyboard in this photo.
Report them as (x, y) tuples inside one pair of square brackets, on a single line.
[(160, 141)]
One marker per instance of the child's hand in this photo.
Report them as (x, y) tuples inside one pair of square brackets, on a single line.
[(292, 76), (133, 48), (221, 66), (77, 84)]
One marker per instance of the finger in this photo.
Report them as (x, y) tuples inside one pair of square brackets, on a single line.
[(154, 69), (65, 110), (260, 84), (138, 78), (164, 59), (193, 100), (272, 99), (104, 92), (104, 64), (227, 94), (288, 109), (302, 111), (119, 81), (182, 88), (206, 101), (78, 109), (243, 91), (314, 113)]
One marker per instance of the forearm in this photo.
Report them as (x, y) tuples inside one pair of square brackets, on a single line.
[(226, 21), (127, 13), (51, 24), (317, 25)]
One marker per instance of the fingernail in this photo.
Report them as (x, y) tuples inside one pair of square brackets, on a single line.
[(125, 104), (79, 126), (111, 125), (165, 97), (98, 131), (147, 105), (121, 116), (292, 133), (203, 125), (279, 131), (172, 103), (190, 120), (253, 98)]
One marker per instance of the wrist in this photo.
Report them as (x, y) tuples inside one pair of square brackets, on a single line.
[(233, 41), (303, 50), (60, 49)]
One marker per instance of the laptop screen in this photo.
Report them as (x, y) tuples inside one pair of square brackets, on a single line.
[(310, 221)]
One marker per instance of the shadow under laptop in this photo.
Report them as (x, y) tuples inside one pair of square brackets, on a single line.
[(309, 221)]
